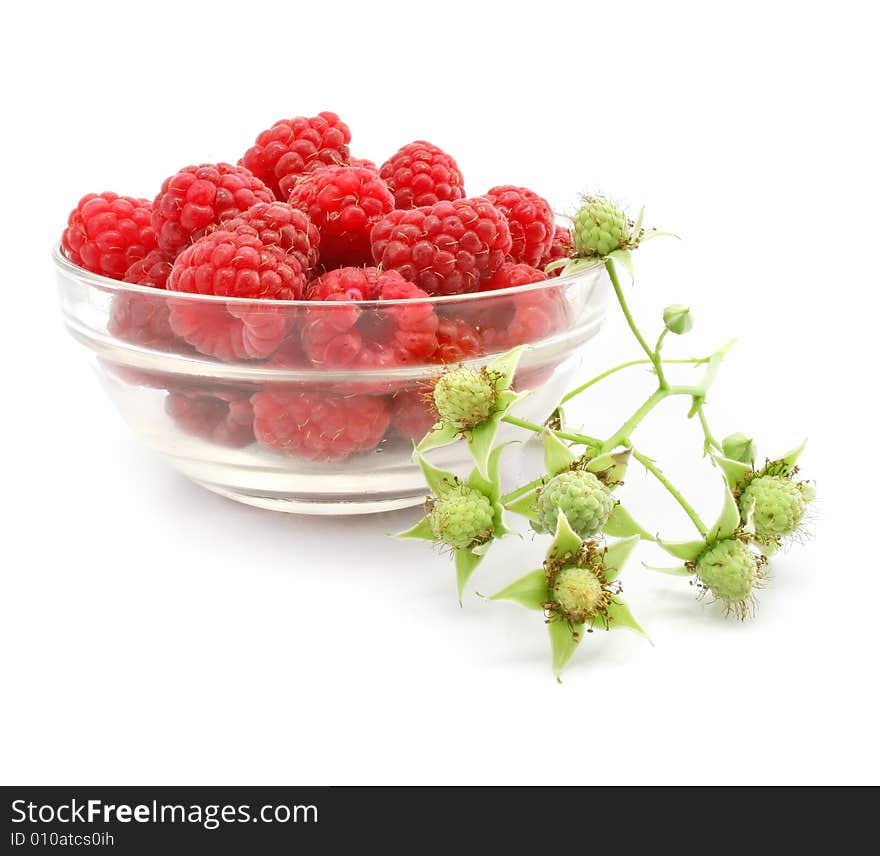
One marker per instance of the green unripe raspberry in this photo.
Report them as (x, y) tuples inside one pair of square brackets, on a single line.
[(462, 517), (728, 569), (779, 506), (579, 594), (465, 398), (584, 500), (599, 228)]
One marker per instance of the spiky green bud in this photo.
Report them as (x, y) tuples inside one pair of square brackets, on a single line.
[(465, 397), (462, 517), (777, 506), (731, 571), (739, 447), (678, 319), (599, 228), (581, 496)]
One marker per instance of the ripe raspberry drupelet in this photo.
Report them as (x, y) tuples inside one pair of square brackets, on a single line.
[(457, 341), (291, 147), (198, 197), (422, 174), (280, 225), (531, 222), (368, 337), (221, 416), (447, 248), (519, 319), (107, 233), (234, 264), (319, 427), (344, 203), (561, 248), (412, 413), (152, 270)]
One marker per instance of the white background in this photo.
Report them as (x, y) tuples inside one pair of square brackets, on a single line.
[(155, 633)]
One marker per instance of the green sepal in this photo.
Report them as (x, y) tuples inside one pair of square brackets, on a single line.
[(619, 616), (489, 481), (748, 523), (676, 571), (656, 233), (578, 264), (529, 591), (438, 480), (728, 520), (734, 471), (440, 435), (564, 639), (559, 263), (558, 457), (421, 530), (527, 506), (790, 458), (626, 259), (612, 466), (480, 440), (466, 562), (616, 555), (689, 551), (491, 487), (505, 367), (637, 227), (565, 542), (621, 525)]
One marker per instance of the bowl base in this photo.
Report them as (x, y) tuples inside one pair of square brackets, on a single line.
[(291, 504)]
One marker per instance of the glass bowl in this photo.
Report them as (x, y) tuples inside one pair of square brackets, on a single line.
[(304, 406)]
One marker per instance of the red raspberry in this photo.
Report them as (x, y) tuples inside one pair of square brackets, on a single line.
[(221, 416), (561, 248), (142, 319), (412, 415), (531, 221), (457, 341), (351, 336), (344, 202), (511, 275), (447, 248), (291, 146), (237, 264), (152, 270), (523, 318), (290, 354), (364, 163), (197, 197), (234, 264), (107, 233), (319, 427), (278, 224), (421, 174)]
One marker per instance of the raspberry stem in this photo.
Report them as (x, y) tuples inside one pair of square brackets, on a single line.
[(710, 441), (655, 471), (653, 355), (580, 439), (521, 491), (585, 386)]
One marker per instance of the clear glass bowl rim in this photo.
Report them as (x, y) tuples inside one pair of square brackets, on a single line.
[(69, 269)]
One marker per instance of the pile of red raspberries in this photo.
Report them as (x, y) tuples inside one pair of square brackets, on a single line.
[(300, 219)]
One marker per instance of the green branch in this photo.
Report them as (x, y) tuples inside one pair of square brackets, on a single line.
[(655, 471)]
